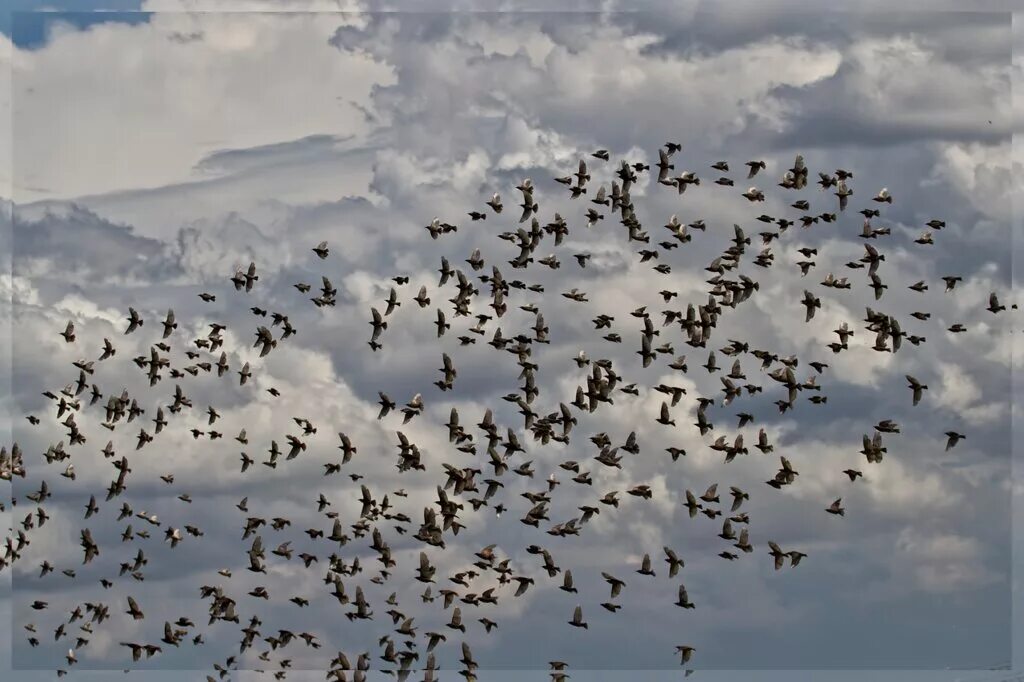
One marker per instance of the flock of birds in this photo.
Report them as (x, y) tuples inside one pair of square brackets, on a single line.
[(493, 451)]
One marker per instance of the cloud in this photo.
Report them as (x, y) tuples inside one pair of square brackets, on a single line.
[(85, 151), (945, 563), (981, 174), (961, 394), (102, 253), (897, 87), (221, 153)]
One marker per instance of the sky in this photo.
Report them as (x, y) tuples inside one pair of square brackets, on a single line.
[(152, 153)]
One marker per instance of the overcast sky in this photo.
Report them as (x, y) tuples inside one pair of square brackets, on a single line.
[(151, 154)]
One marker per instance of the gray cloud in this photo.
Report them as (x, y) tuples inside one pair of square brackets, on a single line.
[(918, 575)]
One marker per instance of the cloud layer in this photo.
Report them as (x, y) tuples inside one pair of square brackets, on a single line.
[(230, 137)]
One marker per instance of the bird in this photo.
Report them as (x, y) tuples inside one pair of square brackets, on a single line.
[(754, 167), (577, 619), (134, 321), (917, 387), (673, 561), (951, 281), (754, 194), (952, 438), (811, 303), (495, 202), (169, 324), (836, 508), (683, 600), (573, 392)]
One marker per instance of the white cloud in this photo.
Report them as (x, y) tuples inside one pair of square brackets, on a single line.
[(177, 102), (982, 175), (249, 161), (961, 394), (945, 562)]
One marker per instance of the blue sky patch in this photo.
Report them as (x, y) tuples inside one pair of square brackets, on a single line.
[(28, 23)]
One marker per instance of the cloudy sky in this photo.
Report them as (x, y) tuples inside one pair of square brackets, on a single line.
[(153, 153)]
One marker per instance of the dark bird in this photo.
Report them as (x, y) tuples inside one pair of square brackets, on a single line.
[(917, 387)]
